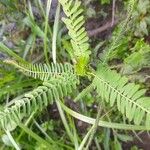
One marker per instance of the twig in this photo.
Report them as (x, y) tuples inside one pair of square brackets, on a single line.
[(103, 28), (113, 12)]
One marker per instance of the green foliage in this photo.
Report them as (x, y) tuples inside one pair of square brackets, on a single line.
[(79, 38), (104, 1), (139, 57), (121, 51), (10, 3), (58, 80), (29, 21), (115, 89), (43, 71), (142, 18), (37, 99), (5, 77), (68, 47), (122, 29), (10, 84)]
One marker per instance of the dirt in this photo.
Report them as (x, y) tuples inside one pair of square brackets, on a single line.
[(143, 144)]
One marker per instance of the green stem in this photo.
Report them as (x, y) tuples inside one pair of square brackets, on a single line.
[(10, 52), (97, 143), (40, 4), (46, 29), (55, 31), (12, 140), (63, 118), (81, 147), (26, 124), (105, 124), (94, 126), (35, 136), (43, 132)]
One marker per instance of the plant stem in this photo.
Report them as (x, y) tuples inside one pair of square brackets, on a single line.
[(103, 123), (63, 118), (43, 132), (55, 31), (85, 139), (26, 124), (12, 140), (46, 29), (10, 52), (35, 136), (94, 126), (97, 144)]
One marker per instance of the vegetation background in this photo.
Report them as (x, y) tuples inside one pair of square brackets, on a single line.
[(33, 31)]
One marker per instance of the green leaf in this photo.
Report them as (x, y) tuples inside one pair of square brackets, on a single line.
[(104, 1), (115, 90)]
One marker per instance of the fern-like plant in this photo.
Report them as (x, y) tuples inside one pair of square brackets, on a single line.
[(129, 98), (43, 71), (53, 89), (79, 38), (59, 80), (113, 88)]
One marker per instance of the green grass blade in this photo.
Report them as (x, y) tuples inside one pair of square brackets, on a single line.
[(46, 29), (55, 31), (10, 52), (35, 136)]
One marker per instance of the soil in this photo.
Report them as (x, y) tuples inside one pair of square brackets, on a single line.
[(144, 143)]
